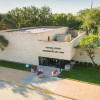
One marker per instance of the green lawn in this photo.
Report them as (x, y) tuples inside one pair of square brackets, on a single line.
[(14, 65), (82, 73)]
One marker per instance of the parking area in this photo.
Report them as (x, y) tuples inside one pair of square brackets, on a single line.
[(11, 75)]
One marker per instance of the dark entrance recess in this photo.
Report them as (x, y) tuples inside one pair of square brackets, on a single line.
[(59, 63)]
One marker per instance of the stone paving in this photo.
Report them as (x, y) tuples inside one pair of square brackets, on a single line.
[(48, 82)]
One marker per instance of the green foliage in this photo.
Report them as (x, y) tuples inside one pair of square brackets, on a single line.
[(59, 19), (85, 63), (33, 16), (3, 42), (92, 20), (82, 73), (88, 43), (13, 65), (98, 30), (81, 15), (86, 19), (90, 64), (76, 62), (81, 63)]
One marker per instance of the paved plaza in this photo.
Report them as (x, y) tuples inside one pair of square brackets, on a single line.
[(48, 82)]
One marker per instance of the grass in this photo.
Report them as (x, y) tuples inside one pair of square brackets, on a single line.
[(82, 73), (79, 72), (13, 65)]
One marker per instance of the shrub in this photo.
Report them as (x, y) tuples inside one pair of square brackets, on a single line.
[(81, 63), (89, 63), (85, 63), (96, 65), (76, 62)]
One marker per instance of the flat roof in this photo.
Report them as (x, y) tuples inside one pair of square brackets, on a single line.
[(33, 30)]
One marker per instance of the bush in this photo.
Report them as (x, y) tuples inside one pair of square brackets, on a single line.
[(90, 63), (85, 63), (96, 65), (76, 62), (81, 63)]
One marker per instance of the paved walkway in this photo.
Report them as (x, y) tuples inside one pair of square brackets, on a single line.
[(64, 87), (11, 75), (10, 91), (78, 90), (48, 82)]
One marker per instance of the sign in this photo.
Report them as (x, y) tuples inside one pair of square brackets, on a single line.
[(53, 50), (27, 66)]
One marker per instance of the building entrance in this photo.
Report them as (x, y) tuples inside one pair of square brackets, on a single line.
[(59, 63)]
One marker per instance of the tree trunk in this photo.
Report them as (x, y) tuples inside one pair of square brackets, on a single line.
[(91, 53), (87, 32), (93, 62)]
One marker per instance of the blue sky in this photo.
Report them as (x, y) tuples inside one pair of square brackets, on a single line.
[(57, 6)]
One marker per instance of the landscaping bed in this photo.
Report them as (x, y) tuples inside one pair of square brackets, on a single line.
[(13, 65), (84, 73)]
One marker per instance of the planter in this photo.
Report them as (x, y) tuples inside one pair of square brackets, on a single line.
[(72, 62), (33, 71), (55, 73), (33, 68), (68, 67), (40, 74)]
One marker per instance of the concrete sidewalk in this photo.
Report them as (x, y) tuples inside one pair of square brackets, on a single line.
[(64, 87), (11, 75), (78, 90), (10, 91), (48, 82)]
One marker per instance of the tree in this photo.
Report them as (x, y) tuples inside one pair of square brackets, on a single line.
[(88, 43), (72, 21), (60, 19), (45, 16), (81, 15), (7, 22), (86, 19), (98, 30), (63, 19), (3, 42), (92, 20)]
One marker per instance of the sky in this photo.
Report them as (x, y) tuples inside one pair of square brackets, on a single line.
[(57, 6)]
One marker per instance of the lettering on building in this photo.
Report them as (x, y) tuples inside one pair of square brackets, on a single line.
[(53, 50)]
